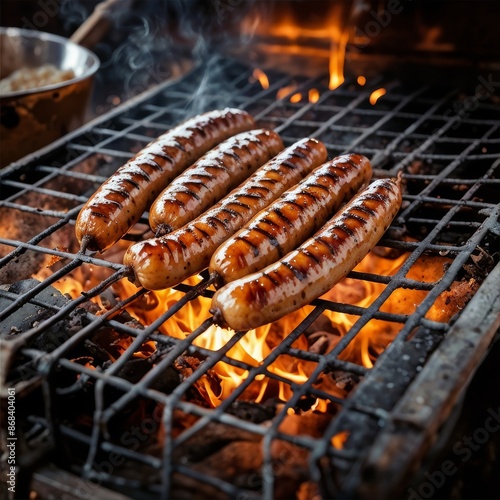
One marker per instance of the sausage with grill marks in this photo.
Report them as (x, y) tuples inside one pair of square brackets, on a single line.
[(291, 219), (211, 177), (166, 261), (120, 201), (316, 266)]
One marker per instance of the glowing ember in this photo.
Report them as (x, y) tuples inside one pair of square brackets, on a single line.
[(339, 440), (296, 97), (284, 91), (313, 95), (361, 80), (261, 77), (376, 95)]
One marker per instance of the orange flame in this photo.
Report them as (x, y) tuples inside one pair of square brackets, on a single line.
[(307, 36), (375, 335), (313, 95), (376, 95), (296, 97), (284, 91), (254, 347), (261, 77), (80, 280), (361, 80), (337, 56), (339, 440)]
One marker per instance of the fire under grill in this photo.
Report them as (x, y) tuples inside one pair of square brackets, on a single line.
[(140, 393)]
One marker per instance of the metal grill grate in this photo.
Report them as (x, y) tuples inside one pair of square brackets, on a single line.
[(449, 156)]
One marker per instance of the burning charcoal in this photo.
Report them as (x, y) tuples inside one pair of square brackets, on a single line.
[(253, 412), (147, 302), (290, 466), (322, 341), (321, 323), (29, 262), (22, 267), (82, 380), (98, 353), (453, 300), (134, 370), (213, 437), (90, 307), (238, 463), (187, 488), (290, 462), (305, 403), (182, 421), (319, 342), (29, 315), (125, 318), (22, 320), (388, 253), (84, 360), (308, 490), (130, 321), (396, 233), (186, 365), (311, 424), (110, 343), (338, 384), (482, 264), (105, 340), (108, 299), (168, 380), (76, 320), (344, 380), (423, 167)]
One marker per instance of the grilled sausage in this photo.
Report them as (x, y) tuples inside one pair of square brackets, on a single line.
[(120, 201), (211, 177), (316, 266), (163, 262), (291, 219)]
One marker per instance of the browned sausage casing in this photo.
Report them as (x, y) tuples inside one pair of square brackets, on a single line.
[(166, 261), (316, 266), (120, 201), (292, 218), (211, 178)]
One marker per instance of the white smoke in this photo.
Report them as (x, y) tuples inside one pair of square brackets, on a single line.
[(136, 52)]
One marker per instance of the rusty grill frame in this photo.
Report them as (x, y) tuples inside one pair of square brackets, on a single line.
[(372, 413)]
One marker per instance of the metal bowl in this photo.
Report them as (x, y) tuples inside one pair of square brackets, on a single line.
[(32, 118)]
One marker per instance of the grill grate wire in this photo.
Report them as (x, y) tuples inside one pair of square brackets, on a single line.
[(410, 124)]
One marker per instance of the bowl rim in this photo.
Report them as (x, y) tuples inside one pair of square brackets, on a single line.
[(42, 35)]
